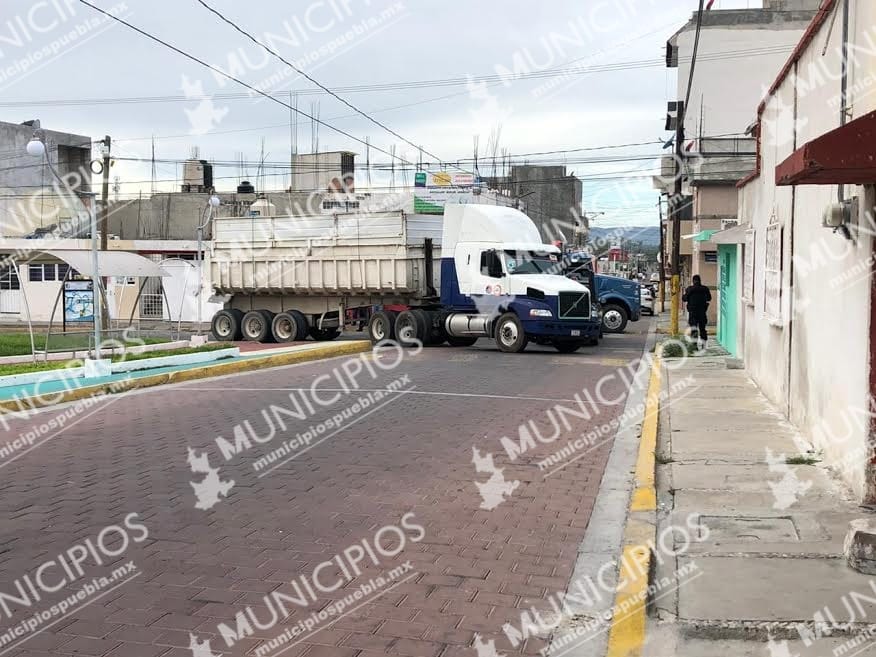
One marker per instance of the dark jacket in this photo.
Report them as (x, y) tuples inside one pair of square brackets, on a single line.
[(697, 298)]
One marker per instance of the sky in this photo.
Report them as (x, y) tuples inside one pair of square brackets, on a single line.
[(491, 70)]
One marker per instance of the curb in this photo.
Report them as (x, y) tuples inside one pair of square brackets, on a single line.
[(629, 613), (181, 376)]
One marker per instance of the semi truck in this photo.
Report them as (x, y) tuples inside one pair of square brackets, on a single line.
[(619, 299), (284, 278)]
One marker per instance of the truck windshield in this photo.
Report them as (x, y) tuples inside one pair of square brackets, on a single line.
[(532, 262)]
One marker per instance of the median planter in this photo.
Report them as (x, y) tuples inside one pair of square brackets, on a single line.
[(172, 361)]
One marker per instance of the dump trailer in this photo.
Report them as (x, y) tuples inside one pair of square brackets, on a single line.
[(480, 271)]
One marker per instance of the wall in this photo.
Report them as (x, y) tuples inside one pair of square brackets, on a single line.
[(816, 367), (726, 90)]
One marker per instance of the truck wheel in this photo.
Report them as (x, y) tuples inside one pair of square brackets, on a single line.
[(226, 325), (568, 347), (614, 318), (289, 326), (434, 335), (410, 328), (454, 341), (324, 335), (510, 336), (256, 326), (381, 327)]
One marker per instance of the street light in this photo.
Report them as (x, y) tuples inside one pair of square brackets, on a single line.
[(36, 147), (213, 202)]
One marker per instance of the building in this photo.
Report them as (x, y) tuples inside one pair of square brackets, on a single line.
[(808, 275), (739, 52), (552, 198)]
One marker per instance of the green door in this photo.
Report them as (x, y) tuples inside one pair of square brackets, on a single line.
[(727, 263)]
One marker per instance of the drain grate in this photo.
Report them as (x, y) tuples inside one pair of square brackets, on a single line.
[(747, 529)]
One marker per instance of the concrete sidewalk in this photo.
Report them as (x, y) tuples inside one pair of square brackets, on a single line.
[(764, 573)]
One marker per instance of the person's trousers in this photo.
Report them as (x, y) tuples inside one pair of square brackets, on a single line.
[(697, 319)]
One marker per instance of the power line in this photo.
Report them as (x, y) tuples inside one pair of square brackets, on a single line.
[(418, 84), (231, 77), (693, 60), (249, 36)]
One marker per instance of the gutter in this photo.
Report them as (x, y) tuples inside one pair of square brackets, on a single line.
[(809, 35)]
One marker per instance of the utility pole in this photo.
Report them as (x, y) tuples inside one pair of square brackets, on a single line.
[(675, 206), (104, 223), (104, 208), (661, 261)]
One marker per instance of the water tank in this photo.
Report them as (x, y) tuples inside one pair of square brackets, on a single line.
[(262, 208), (245, 188), (193, 176)]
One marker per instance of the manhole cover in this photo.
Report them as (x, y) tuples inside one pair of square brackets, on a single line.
[(739, 529)]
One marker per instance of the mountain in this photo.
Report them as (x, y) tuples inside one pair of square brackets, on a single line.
[(647, 235)]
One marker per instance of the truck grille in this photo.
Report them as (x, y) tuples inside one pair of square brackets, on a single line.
[(574, 305)]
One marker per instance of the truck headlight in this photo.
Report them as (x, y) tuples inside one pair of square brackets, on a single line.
[(539, 312)]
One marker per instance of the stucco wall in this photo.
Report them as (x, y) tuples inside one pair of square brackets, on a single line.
[(816, 368)]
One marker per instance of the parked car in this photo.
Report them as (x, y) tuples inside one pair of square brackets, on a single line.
[(647, 299)]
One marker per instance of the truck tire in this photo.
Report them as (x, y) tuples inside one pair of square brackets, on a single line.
[(510, 336), (289, 326), (454, 341), (381, 327), (225, 325), (256, 326), (324, 335), (566, 347), (614, 318), (410, 328), (434, 335)]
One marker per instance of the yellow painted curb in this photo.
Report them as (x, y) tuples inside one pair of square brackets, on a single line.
[(627, 634), (180, 376), (644, 495)]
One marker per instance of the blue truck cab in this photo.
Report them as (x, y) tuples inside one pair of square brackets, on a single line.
[(619, 299)]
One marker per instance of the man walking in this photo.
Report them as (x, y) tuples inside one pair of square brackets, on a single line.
[(697, 297)]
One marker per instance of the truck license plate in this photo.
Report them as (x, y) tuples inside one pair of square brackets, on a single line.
[(575, 334)]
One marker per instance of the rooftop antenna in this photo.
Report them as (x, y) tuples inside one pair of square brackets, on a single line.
[(476, 139), (293, 137), (153, 164), (404, 171), (368, 160)]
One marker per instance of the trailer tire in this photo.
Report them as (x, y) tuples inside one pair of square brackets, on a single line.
[(289, 326), (256, 326), (410, 328), (510, 336), (566, 347), (324, 335), (225, 325), (461, 341), (381, 327)]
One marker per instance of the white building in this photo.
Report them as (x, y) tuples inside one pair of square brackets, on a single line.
[(809, 309)]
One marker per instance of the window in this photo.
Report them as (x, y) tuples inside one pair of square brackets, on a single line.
[(9, 279), (63, 268), (748, 268), (35, 273), (47, 271), (490, 264), (332, 205), (772, 302)]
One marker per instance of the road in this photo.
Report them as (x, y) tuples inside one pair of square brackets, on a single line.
[(388, 491)]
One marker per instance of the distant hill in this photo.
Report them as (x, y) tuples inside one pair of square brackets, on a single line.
[(647, 235)]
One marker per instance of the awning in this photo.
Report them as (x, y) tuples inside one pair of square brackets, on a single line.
[(702, 236), (735, 235), (110, 263), (842, 156)]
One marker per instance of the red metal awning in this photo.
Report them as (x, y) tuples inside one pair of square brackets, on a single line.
[(846, 155)]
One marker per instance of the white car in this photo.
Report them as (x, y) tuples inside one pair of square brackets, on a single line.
[(646, 296)]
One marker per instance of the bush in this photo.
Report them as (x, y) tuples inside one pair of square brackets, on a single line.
[(674, 347)]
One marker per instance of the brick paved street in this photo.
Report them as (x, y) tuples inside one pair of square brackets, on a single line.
[(472, 571)]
